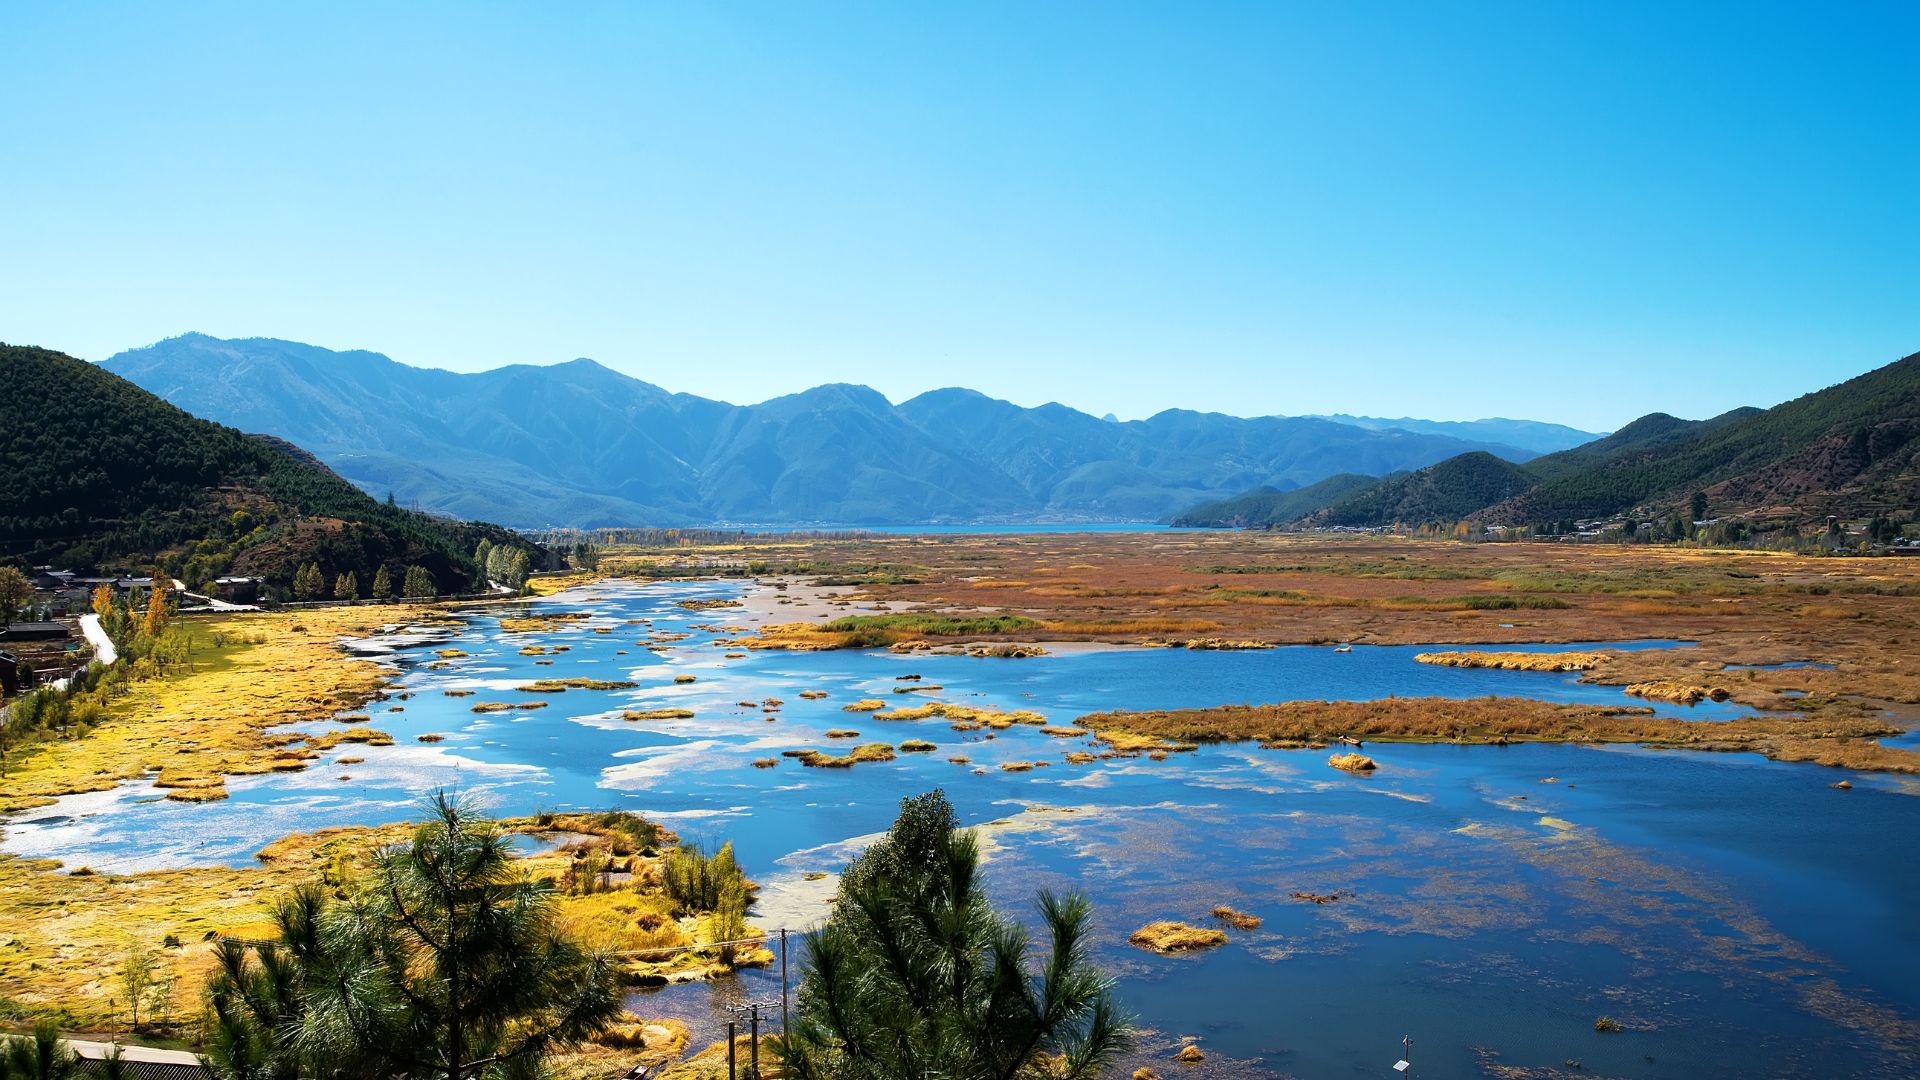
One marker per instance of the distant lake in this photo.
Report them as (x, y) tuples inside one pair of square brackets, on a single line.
[(971, 529), (1737, 915)]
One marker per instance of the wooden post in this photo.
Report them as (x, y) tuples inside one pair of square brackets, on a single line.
[(730, 1051)]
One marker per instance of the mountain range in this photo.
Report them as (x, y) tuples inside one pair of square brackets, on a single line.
[(1850, 450), (578, 444)]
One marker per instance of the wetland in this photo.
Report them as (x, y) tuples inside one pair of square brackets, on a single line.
[(1535, 838)]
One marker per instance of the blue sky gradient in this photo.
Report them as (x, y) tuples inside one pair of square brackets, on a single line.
[(1567, 212)]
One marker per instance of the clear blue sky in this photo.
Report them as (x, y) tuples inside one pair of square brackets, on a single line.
[(1570, 212)]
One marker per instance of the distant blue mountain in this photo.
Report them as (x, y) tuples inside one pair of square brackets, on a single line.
[(1540, 438), (579, 444)]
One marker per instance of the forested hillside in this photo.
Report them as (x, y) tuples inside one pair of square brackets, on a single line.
[(1265, 507), (102, 475), (1447, 491), (1850, 451)]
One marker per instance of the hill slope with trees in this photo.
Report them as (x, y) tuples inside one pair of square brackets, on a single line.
[(1264, 507), (1447, 491), (1851, 451), (103, 476)]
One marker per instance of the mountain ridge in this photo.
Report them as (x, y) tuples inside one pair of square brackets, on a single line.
[(580, 443)]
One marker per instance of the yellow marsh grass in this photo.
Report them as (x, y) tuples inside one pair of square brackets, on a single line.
[(1828, 740), (1517, 661), (1239, 920), (1167, 936)]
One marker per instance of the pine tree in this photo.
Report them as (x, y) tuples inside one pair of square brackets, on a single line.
[(915, 973), (346, 587), (309, 583), (447, 963), (382, 584), (480, 556)]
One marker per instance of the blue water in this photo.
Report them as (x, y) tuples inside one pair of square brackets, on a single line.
[(972, 528), (1739, 916)]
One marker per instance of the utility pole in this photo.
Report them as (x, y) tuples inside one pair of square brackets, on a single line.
[(731, 1071), (752, 1009), (786, 1021), (1405, 1065)]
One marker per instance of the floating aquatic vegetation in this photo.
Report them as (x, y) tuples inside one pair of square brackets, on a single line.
[(684, 679), (864, 705), (503, 706), (559, 686), (546, 623), (858, 755), (1517, 661), (1167, 936), (1355, 763), (1239, 920), (657, 714), (917, 746)]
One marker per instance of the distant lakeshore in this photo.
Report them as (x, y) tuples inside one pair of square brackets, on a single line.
[(971, 528)]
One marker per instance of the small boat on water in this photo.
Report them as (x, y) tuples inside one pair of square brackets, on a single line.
[(1344, 648), (1348, 740)]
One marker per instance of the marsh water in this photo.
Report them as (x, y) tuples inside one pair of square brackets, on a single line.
[(1739, 917)]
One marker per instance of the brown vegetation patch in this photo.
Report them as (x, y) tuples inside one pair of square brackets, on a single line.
[(1239, 920)]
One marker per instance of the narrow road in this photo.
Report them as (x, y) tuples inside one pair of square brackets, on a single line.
[(96, 635)]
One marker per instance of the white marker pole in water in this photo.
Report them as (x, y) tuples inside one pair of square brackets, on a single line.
[(1405, 1064)]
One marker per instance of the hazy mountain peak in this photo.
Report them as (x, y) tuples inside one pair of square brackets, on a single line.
[(584, 444)]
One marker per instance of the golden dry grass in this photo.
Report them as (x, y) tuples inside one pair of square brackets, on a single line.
[(1239, 920), (1517, 661), (1827, 740), (1167, 936)]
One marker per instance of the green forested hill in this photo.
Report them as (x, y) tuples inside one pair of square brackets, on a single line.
[(1448, 491), (1264, 506), (1851, 449), (99, 474)]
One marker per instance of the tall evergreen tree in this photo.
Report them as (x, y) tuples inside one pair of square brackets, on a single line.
[(383, 584), (418, 582), (445, 963), (916, 974)]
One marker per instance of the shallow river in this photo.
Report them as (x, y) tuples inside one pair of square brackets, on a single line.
[(1739, 917)]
